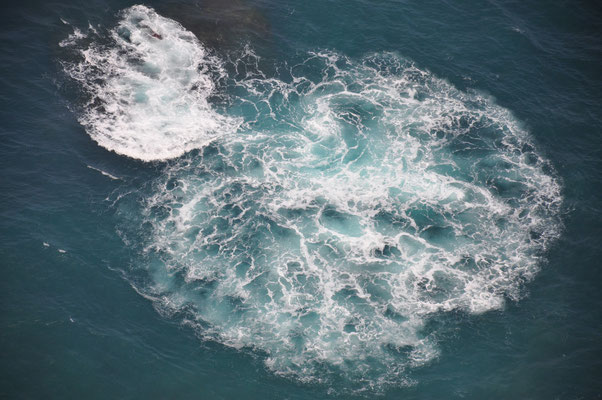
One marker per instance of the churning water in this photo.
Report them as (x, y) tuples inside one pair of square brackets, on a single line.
[(331, 208), (342, 213)]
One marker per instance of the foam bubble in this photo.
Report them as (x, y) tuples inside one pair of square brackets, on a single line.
[(148, 88)]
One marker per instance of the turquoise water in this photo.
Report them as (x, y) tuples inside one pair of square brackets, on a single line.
[(276, 200)]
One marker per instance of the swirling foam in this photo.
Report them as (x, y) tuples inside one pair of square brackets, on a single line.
[(147, 88), (358, 200), (379, 196)]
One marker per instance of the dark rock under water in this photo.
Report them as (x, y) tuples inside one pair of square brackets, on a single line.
[(219, 23)]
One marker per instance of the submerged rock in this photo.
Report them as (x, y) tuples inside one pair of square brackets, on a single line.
[(219, 23)]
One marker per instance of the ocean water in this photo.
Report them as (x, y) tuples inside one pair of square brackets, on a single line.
[(258, 199)]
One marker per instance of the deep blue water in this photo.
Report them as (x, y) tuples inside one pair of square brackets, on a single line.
[(258, 199)]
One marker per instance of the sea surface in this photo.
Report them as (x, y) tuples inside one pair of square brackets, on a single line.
[(257, 199)]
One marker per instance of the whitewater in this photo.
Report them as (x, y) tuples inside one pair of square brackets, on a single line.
[(318, 215)]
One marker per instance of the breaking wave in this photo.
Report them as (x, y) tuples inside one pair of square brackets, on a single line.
[(148, 86)]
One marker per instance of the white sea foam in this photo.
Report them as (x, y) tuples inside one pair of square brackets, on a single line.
[(147, 88), (104, 173), (359, 199), (73, 38), (388, 197)]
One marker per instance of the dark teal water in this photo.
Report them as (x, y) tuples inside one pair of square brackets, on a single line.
[(318, 200)]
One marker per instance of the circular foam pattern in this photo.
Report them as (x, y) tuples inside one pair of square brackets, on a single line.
[(378, 196), (359, 199)]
